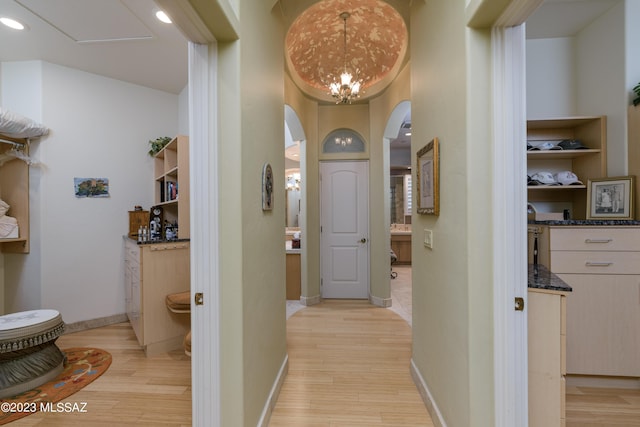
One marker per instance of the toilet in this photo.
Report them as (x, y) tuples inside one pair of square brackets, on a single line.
[(29, 356)]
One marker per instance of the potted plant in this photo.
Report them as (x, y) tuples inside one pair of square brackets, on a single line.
[(636, 89), (158, 144)]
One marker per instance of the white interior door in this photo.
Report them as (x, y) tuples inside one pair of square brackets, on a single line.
[(344, 237)]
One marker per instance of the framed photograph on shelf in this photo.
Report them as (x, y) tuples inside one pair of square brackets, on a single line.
[(610, 198), (428, 179)]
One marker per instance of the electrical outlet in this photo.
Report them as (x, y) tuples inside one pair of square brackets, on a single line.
[(428, 238)]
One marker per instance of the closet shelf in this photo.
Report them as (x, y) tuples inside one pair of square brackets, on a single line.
[(560, 154), (586, 164), (556, 187)]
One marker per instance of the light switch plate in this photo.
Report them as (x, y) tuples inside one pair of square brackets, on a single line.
[(428, 238)]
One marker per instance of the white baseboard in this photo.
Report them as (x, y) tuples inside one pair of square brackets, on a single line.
[(310, 300), (94, 323), (380, 302), (427, 398), (602, 381), (164, 346), (273, 395)]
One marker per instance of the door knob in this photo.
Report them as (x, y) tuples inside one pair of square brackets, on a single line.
[(363, 240)]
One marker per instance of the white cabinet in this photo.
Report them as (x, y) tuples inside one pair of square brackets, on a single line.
[(633, 154), (132, 284), (152, 271), (546, 340), (603, 324), (602, 265)]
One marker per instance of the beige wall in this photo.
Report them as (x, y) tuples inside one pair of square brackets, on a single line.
[(349, 116), (307, 112), (452, 286), (252, 264), (370, 122), (452, 323), (380, 109)]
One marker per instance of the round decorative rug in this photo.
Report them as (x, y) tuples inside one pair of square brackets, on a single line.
[(82, 366)]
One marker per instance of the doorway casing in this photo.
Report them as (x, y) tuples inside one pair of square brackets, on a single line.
[(504, 409)]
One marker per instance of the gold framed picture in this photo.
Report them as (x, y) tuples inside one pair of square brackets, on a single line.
[(428, 179), (610, 198)]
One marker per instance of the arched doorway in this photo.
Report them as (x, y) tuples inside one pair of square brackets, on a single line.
[(295, 196), (397, 149)]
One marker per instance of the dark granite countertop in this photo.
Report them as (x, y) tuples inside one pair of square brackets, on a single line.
[(599, 222), (153, 242), (546, 280)]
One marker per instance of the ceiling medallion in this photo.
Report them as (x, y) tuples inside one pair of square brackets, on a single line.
[(347, 87)]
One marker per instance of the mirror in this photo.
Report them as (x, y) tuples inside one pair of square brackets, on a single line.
[(400, 192), (292, 186), (292, 151), (400, 173)]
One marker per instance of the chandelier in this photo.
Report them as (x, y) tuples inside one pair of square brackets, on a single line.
[(347, 88), (293, 182), (343, 141)]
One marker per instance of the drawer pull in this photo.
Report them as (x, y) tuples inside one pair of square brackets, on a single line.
[(598, 264), (598, 240)]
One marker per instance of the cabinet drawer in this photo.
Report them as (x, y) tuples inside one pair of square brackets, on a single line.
[(603, 317), (134, 255), (595, 239), (592, 262), (132, 251), (168, 246)]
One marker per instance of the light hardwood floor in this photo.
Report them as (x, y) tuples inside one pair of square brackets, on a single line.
[(585, 407), (135, 390), (349, 366), (599, 407)]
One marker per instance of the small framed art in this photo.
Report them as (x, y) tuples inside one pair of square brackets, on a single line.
[(267, 187), (428, 179), (610, 198)]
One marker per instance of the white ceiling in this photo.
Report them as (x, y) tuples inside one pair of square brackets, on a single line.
[(565, 18), (123, 40), (120, 39)]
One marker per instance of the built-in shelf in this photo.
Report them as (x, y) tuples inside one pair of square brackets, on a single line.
[(589, 163), (172, 183), (560, 154), (14, 190), (555, 187)]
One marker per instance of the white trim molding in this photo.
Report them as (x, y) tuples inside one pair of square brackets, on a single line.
[(380, 302), (274, 393), (203, 168), (94, 323), (427, 397), (509, 226), (310, 300)]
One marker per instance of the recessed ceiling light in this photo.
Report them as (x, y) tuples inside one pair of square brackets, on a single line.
[(163, 17), (407, 134), (12, 23)]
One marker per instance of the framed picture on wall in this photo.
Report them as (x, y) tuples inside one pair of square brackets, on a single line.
[(610, 198), (267, 187), (428, 184)]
